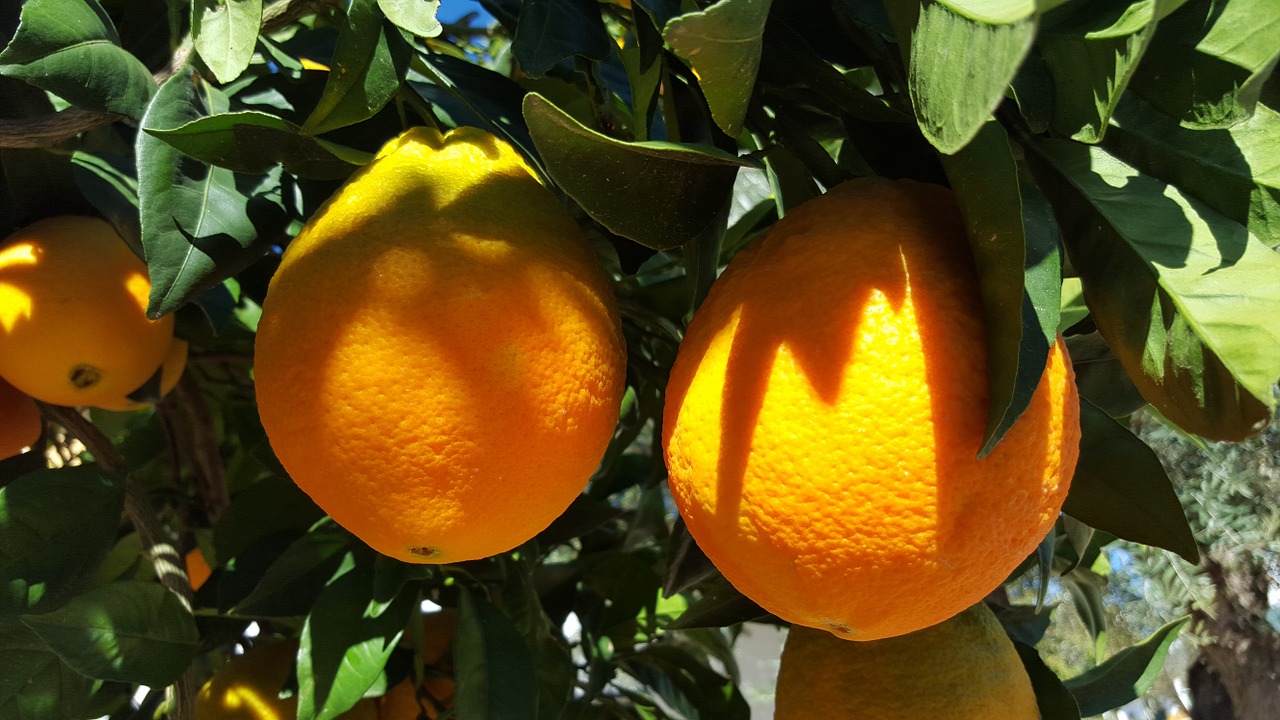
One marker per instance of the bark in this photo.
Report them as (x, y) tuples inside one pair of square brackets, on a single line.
[(1237, 674)]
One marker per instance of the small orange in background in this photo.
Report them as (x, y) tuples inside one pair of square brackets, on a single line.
[(20, 423), (73, 323), (825, 411), (250, 685), (198, 570)]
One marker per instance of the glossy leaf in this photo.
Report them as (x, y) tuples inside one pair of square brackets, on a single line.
[(494, 668), (200, 224), (369, 63), (225, 34), (1185, 297), (1234, 171), (128, 631), (1120, 487), (1019, 267), (659, 194), (722, 44), (346, 641), (476, 95), (720, 605), (56, 527), (553, 30), (1207, 65), (34, 683), (70, 48), (413, 16), (253, 142), (1091, 57), (1125, 676), (954, 99)]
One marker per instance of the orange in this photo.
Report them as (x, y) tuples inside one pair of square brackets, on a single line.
[(402, 701), (73, 323), (250, 685), (963, 669), (825, 411), (175, 363), (439, 362), (20, 423), (198, 570)]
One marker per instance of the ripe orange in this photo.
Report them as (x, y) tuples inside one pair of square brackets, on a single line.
[(175, 363), (825, 410), (198, 570), (440, 362), (73, 324), (19, 420), (402, 702), (963, 669), (250, 685)]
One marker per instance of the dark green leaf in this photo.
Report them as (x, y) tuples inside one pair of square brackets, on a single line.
[(686, 681), (109, 183), (552, 30), (413, 16), (291, 583), (493, 665), (1121, 487), (474, 95), (1101, 377), (553, 664), (1207, 64), (260, 511), (1087, 588), (720, 605), (1019, 267), (369, 64), (1234, 171), (1024, 623), (225, 34), (34, 683), (56, 526), (199, 226), (1185, 297), (1125, 676), (953, 97), (254, 142), (1091, 56), (722, 44), (658, 194), (1053, 698), (136, 632), (70, 48), (346, 641)]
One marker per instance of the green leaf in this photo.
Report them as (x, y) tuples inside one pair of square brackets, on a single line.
[(1052, 697), (109, 183), (1120, 487), (952, 96), (552, 30), (370, 61), (71, 49), (1102, 378), (200, 224), (34, 683), (1019, 266), (722, 44), (129, 631), (296, 577), (1091, 56), (346, 640), (658, 194), (417, 17), (254, 142), (1234, 171), (720, 605), (493, 665), (1207, 64), (265, 509), (56, 527), (225, 34), (1185, 297), (686, 682), (553, 664), (1125, 676)]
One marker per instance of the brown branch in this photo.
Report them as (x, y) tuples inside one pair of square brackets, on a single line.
[(211, 484), (156, 545)]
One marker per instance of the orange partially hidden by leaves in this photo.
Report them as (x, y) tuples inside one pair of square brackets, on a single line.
[(198, 570), (825, 412), (175, 363), (73, 323), (439, 363), (965, 668), (250, 688), (404, 702), (19, 420)]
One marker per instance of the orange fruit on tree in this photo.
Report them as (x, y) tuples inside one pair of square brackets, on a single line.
[(825, 411), (406, 702), (250, 687), (175, 363), (965, 668), (20, 424), (73, 323), (439, 362)]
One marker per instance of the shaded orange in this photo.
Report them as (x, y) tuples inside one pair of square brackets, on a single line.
[(249, 687), (20, 423), (175, 364), (440, 362), (73, 324), (825, 411), (198, 570)]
